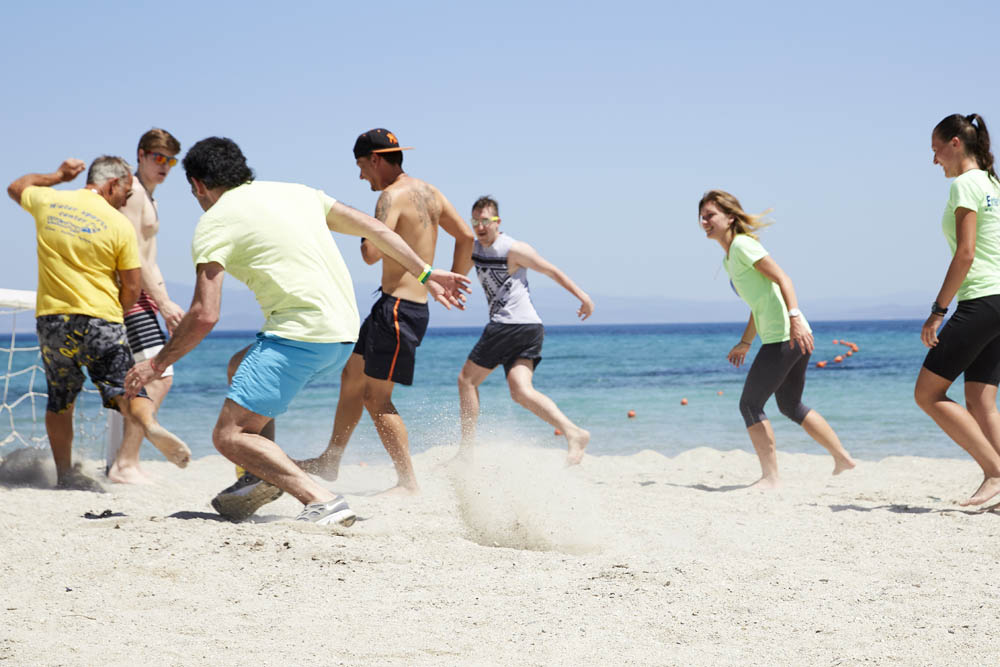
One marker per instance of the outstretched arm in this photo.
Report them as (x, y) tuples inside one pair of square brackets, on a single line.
[(523, 255), (195, 325), (67, 171), (452, 223), (799, 334), (961, 262), (444, 286)]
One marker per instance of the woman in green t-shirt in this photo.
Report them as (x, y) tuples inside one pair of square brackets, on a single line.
[(970, 342), (780, 366)]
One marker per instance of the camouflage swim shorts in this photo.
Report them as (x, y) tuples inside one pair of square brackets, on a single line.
[(71, 342)]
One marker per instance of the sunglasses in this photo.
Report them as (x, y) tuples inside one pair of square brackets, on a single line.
[(160, 158), (476, 222)]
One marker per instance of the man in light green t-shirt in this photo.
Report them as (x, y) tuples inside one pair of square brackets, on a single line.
[(275, 237)]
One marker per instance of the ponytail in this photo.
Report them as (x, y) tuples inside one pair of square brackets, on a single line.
[(971, 130)]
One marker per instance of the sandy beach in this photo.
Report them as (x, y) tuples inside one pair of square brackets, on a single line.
[(638, 560)]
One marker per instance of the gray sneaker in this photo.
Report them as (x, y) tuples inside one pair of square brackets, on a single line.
[(246, 496), (332, 511)]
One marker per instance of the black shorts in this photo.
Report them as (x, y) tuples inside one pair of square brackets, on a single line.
[(71, 342), (969, 343), (506, 343), (389, 338)]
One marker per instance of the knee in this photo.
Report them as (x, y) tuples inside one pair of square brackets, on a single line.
[(980, 409), (519, 393), (377, 404), (794, 410), (923, 397), (224, 443), (751, 410)]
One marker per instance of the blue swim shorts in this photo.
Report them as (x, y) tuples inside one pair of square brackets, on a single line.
[(274, 369)]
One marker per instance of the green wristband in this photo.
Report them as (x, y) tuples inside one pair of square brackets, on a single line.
[(422, 278)]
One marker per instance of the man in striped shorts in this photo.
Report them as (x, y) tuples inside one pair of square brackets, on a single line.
[(156, 154)]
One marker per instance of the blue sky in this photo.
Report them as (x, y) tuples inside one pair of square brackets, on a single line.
[(596, 125)]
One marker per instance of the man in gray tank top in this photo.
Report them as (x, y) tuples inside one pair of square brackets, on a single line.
[(514, 334)]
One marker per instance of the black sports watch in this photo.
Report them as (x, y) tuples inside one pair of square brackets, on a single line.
[(938, 310)]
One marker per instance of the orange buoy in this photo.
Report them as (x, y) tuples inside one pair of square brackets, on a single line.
[(684, 401), (719, 392), (362, 465), (821, 364), (836, 342), (837, 359), (849, 353), (557, 432), (631, 414), (854, 348)]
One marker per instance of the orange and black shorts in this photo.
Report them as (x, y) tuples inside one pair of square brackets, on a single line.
[(389, 338)]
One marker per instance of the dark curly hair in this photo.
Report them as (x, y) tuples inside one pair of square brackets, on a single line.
[(217, 162)]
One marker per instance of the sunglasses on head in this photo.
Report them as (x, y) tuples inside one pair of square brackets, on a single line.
[(160, 158)]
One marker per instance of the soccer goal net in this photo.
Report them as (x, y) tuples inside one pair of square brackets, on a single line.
[(22, 384)]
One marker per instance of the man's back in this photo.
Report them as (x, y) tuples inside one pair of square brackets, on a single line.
[(274, 238), (82, 242), (413, 208)]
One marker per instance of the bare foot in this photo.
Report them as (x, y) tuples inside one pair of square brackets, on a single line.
[(131, 474), (326, 465), (577, 439), (401, 491), (989, 488), (840, 465), (169, 445), (766, 484)]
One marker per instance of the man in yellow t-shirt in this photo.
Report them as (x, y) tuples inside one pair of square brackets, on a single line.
[(86, 249)]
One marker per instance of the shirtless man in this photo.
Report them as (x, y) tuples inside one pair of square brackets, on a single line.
[(385, 353), (156, 155), (513, 337)]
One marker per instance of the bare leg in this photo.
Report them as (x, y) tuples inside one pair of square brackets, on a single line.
[(525, 394), (469, 379), (126, 469), (350, 407), (141, 410), (981, 400), (931, 395), (762, 437), (237, 436), (820, 431), (392, 431), (59, 427)]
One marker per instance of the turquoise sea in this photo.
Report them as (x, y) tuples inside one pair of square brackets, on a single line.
[(596, 373)]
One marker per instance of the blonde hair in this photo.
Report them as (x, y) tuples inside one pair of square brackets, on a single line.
[(743, 222)]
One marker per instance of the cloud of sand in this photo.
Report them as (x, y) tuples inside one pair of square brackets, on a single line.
[(28, 466), (525, 498)]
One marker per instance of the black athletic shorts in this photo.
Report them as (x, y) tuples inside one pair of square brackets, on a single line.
[(389, 338), (71, 342), (778, 370), (969, 343), (506, 343)]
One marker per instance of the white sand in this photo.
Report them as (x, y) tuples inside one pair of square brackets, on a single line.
[(627, 560)]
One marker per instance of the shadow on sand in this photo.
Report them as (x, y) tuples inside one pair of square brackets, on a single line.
[(910, 509)]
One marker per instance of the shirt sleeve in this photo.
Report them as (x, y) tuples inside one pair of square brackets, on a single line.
[(211, 243), (128, 255), (327, 200), (31, 197), (746, 251), (965, 193)]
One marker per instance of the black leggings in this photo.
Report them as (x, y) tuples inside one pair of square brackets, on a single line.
[(779, 370)]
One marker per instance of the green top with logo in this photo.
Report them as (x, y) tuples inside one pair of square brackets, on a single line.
[(976, 191)]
